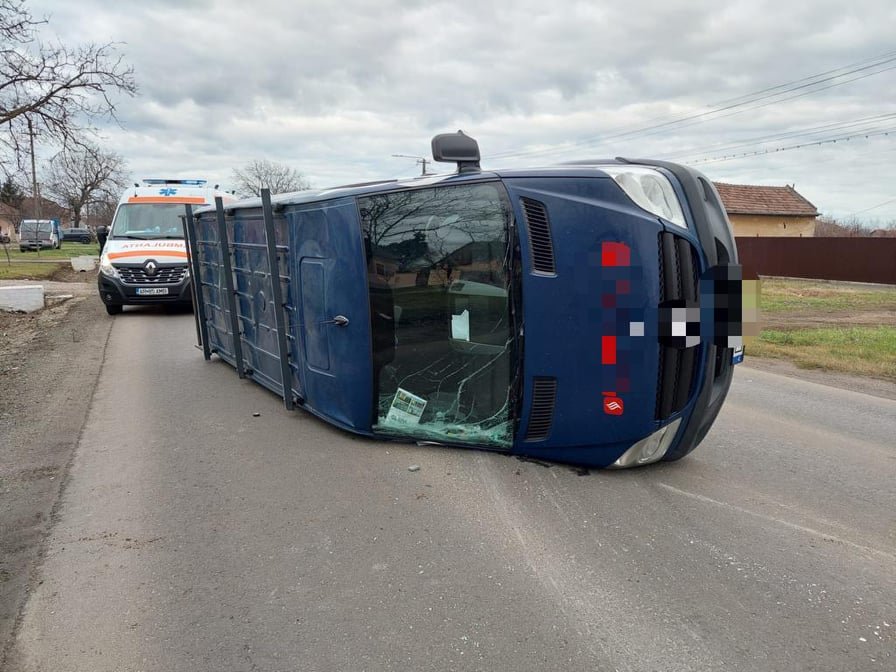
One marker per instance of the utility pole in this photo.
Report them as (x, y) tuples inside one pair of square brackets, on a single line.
[(34, 193), (421, 160)]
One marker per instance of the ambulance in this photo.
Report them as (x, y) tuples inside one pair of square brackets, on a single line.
[(144, 260)]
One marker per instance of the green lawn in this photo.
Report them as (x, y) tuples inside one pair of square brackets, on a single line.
[(789, 296), (869, 351), (67, 251), (26, 271)]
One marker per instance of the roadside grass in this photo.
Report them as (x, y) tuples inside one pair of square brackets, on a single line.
[(780, 295), (16, 265), (68, 250), (868, 351), (833, 326), (27, 271)]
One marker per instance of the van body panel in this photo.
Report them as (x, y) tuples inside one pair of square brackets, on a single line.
[(588, 346)]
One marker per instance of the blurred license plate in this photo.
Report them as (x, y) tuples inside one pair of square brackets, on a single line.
[(151, 291)]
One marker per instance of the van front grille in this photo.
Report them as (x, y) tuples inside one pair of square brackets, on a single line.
[(678, 272), (164, 275)]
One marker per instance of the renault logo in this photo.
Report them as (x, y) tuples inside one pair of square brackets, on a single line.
[(150, 267)]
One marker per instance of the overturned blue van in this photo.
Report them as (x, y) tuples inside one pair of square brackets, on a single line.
[(586, 313)]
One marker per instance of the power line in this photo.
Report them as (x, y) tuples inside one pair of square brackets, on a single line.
[(648, 131), (820, 74), (782, 100), (747, 99), (784, 135), (791, 147), (873, 207)]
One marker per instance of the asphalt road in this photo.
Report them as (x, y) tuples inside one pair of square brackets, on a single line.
[(192, 535)]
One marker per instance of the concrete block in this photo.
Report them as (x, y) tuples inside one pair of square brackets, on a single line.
[(22, 298), (84, 263)]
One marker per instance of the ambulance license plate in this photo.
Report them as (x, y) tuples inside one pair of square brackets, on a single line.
[(151, 291)]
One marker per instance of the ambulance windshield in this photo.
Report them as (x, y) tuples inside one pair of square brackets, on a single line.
[(148, 221)]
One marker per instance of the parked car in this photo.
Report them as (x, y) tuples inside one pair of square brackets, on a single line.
[(78, 235)]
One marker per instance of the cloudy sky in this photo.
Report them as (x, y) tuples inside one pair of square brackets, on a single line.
[(750, 92)]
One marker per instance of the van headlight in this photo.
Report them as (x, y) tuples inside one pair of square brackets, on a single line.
[(107, 269), (649, 189), (650, 449)]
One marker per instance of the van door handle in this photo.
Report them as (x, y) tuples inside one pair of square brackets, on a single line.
[(339, 321)]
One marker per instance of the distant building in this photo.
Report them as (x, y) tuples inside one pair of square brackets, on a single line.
[(48, 210), (767, 211), (10, 216)]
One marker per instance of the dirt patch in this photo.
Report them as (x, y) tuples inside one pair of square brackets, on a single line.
[(842, 318), (67, 274), (800, 306), (49, 364)]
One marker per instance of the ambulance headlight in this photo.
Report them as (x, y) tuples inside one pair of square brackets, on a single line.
[(649, 189), (107, 269), (650, 449)]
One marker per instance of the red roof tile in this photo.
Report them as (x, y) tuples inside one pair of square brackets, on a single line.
[(749, 199)]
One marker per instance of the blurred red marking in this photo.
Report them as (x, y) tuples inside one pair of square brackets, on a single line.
[(608, 350), (615, 254)]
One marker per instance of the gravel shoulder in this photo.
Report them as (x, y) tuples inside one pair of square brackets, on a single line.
[(49, 365), (873, 386)]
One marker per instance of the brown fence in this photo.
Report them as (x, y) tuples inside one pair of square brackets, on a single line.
[(851, 259)]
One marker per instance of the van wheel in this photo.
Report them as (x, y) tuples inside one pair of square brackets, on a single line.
[(112, 309)]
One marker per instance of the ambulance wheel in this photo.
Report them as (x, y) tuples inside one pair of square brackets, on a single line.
[(112, 309)]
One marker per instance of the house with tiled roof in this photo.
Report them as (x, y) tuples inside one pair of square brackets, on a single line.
[(756, 210)]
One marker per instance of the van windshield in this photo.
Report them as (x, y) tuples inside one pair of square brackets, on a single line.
[(440, 280), (33, 227), (148, 221)]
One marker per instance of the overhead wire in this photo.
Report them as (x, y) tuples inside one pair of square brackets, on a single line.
[(784, 135), (778, 93), (873, 207), (773, 150)]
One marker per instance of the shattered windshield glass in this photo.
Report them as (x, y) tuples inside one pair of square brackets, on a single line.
[(439, 263)]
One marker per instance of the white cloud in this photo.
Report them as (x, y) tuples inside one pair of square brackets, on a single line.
[(334, 89)]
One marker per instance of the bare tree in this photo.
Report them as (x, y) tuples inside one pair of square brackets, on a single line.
[(84, 175), (53, 89), (102, 210), (264, 174), (11, 193)]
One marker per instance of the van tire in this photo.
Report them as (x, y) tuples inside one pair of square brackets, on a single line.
[(113, 309)]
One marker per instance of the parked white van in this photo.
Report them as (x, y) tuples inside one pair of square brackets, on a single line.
[(144, 260), (39, 234)]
